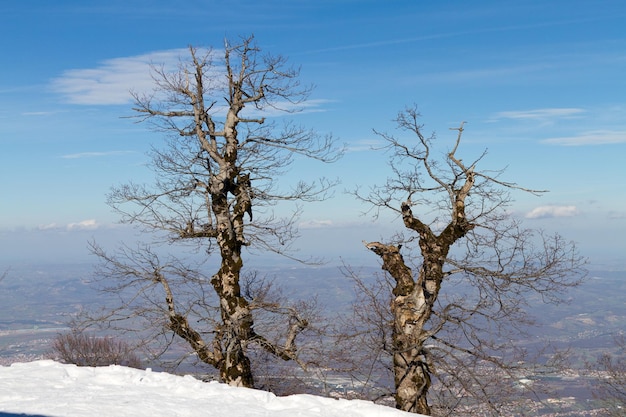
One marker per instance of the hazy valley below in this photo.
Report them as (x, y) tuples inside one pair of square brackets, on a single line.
[(38, 301)]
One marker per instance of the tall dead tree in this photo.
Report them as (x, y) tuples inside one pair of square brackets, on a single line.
[(458, 295), (215, 186)]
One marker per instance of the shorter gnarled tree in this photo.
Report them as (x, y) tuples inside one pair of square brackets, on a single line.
[(215, 189), (449, 324)]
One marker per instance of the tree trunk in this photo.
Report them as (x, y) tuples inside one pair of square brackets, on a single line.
[(411, 373), (234, 365), (411, 309)]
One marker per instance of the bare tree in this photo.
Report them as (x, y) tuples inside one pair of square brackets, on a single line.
[(216, 187), (610, 386), (83, 349), (457, 305)]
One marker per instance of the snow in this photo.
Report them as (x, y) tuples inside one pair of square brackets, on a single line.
[(51, 389)]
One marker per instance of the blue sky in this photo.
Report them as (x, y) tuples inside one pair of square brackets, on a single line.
[(541, 85)]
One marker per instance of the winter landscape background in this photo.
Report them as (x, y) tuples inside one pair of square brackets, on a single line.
[(540, 84)]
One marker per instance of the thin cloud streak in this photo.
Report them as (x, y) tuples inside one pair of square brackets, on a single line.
[(365, 145), (90, 224), (50, 226), (596, 137), (316, 224), (540, 114), (95, 154), (446, 35), (543, 212), (39, 113)]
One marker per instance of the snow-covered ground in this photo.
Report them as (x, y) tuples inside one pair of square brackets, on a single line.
[(50, 389)]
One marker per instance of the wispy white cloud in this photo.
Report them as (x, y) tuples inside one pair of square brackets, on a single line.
[(112, 81), (50, 226), (315, 224), (94, 154), (364, 145), (39, 113), (596, 137), (90, 224), (543, 212), (311, 106), (540, 114)]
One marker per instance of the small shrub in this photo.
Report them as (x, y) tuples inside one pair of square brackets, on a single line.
[(88, 350)]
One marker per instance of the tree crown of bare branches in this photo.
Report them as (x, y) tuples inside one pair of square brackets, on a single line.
[(232, 107)]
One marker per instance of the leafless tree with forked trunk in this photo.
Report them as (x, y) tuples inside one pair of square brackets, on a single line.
[(449, 324)]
